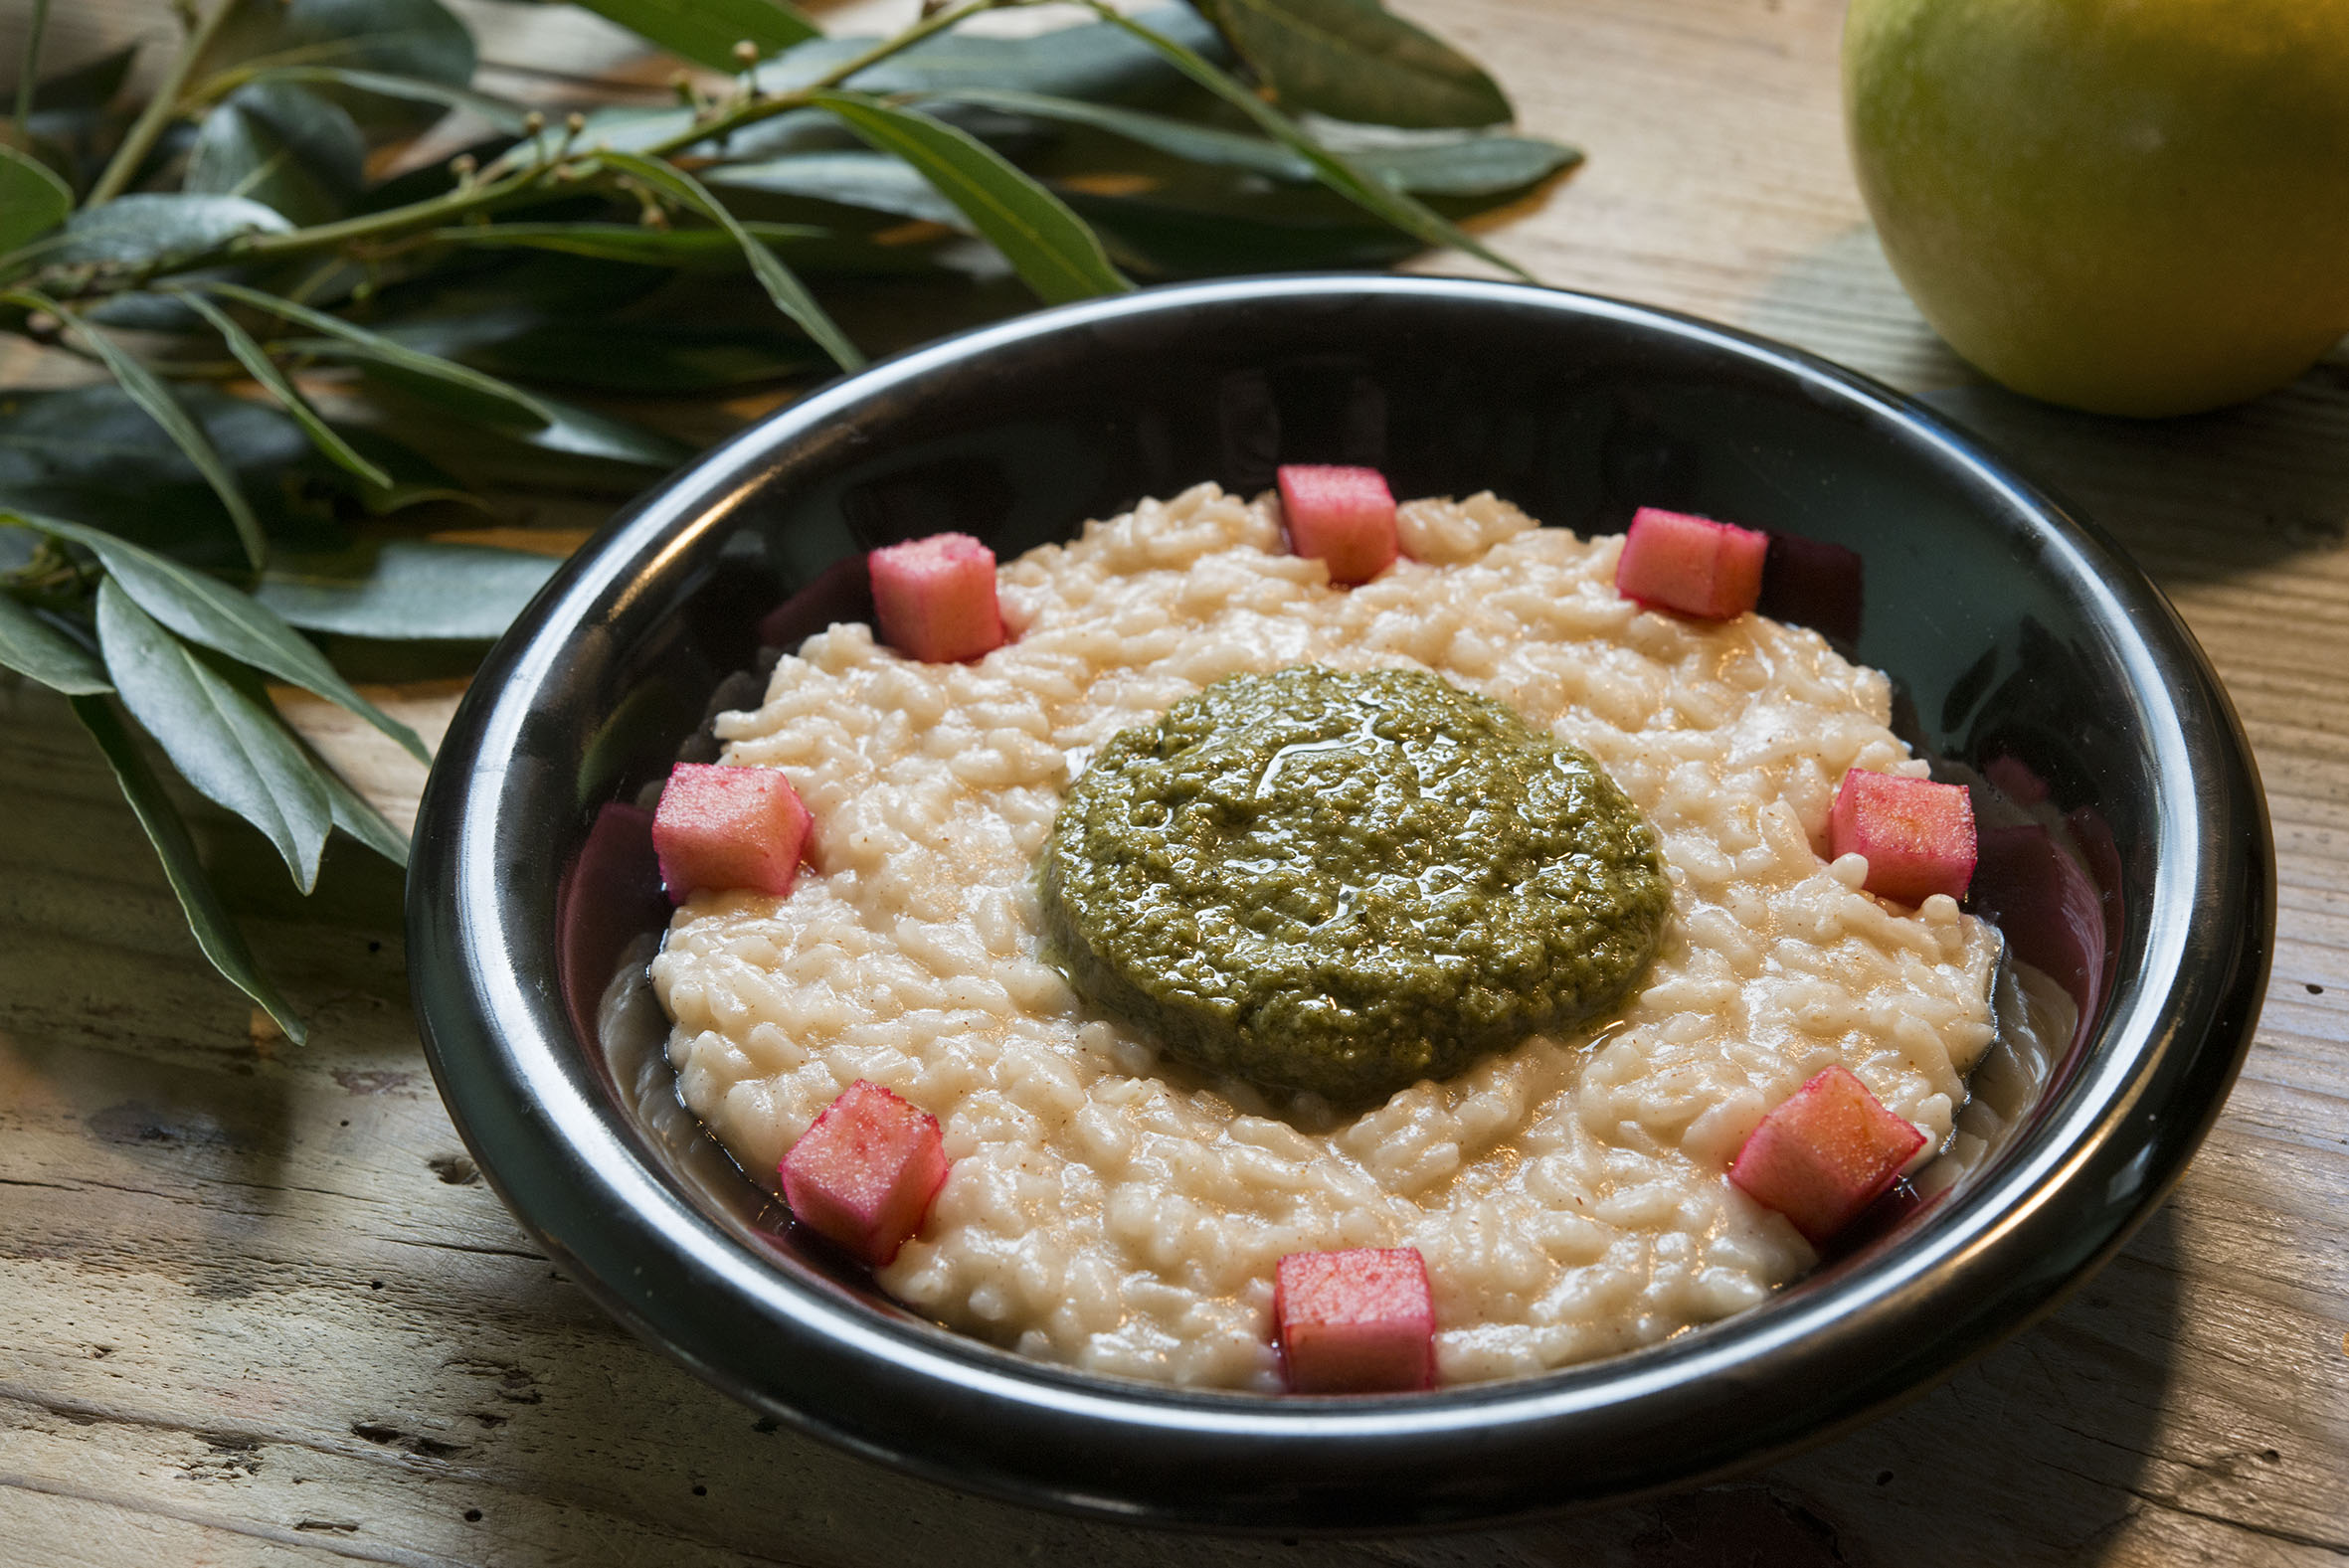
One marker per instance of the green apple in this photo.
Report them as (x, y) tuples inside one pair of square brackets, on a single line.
[(2129, 205)]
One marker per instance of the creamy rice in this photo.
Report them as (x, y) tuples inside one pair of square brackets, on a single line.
[(1117, 1214)]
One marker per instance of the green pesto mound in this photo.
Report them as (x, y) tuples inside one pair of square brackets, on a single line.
[(1345, 882)]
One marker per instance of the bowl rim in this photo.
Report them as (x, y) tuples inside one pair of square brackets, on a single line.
[(1739, 1393)]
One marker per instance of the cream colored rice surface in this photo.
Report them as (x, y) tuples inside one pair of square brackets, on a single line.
[(1116, 1214)]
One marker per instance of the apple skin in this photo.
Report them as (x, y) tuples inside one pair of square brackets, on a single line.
[(2132, 207)]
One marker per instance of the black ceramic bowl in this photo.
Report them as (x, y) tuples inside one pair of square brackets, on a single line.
[(2020, 638)]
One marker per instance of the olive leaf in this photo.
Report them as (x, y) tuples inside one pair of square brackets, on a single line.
[(93, 453), (652, 356), (33, 200), (263, 369), (1371, 195), (37, 650), (506, 115), (149, 393), (397, 38), (1181, 139), (215, 930), (791, 296), (233, 750), (407, 589), (706, 30), (218, 618), (1354, 59), (281, 146), (154, 229), (345, 340), (1466, 166), (627, 241), (1048, 246), (878, 182), (1093, 60)]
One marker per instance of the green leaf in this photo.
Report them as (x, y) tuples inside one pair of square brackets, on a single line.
[(1186, 139), (878, 182), (659, 356), (408, 588), (1048, 246), (791, 296), (1089, 61), (503, 114), (39, 651), (1466, 167), (397, 38), (582, 433), (357, 342), (218, 618), (1456, 166), (1168, 239), (1354, 59), (33, 201), (282, 146), (706, 30), (627, 241), (1370, 194), (148, 392), (232, 748), (214, 929), (91, 453), (155, 227), (264, 370)]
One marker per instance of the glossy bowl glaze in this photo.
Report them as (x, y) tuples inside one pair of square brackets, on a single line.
[(2020, 640)]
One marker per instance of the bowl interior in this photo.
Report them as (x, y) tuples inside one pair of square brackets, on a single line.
[(2028, 658)]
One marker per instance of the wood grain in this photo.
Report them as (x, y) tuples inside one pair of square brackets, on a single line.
[(256, 1307)]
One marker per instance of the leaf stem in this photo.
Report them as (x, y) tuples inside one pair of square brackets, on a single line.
[(24, 82), (160, 109), (750, 114), (495, 186)]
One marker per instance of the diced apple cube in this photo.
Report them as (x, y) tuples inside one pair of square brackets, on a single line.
[(1917, 836), (863, 1175), (1356, 1321), (934, 598), (1827, 1152), (1342, 517), (1692, 565), (728, 827)]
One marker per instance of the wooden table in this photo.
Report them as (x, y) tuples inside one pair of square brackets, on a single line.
[(256, 1307)]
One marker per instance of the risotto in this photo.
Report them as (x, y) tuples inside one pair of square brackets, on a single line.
[(1124, 1214)]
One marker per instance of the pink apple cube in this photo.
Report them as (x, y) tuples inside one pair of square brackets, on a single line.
[(728, 827), (1342, 517), (1358, 1321), (1824, 1154), (934, 598), (1917, 836), (1692, 565), (863, 1175)]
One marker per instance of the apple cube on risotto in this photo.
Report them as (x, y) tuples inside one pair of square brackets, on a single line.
[(1342, 517), (934, 598), (1356, 1321), (862, 1176), (728, 827), (1825, 1153), (1692, 565), (1917, 836)]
